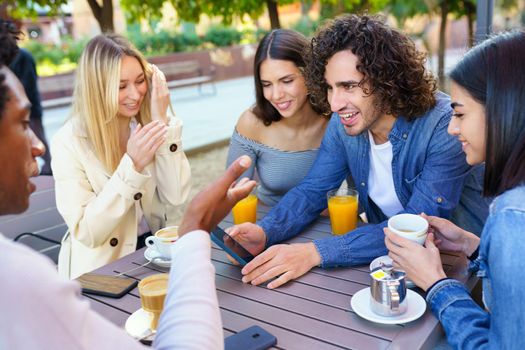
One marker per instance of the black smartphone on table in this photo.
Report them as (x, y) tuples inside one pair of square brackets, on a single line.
[(106, 285), (231, 246), (253, 338)]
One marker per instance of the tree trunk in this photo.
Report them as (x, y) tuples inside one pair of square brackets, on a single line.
[(103, 14), (470, 9), (274, 15), (442, 44)]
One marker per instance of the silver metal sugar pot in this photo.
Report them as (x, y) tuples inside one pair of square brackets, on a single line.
[(388, 291)]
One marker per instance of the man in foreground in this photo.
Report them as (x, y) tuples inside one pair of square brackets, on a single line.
[(40, 310)]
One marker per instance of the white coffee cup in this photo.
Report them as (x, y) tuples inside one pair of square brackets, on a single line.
[(162, 241), (410, 226)]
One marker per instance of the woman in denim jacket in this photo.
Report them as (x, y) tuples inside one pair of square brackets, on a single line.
[(488, 97)]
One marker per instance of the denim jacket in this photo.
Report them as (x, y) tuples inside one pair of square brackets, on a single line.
[(501, 266), (429, 173)]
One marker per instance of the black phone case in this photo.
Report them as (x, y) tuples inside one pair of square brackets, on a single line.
[(91, 287), (224, 247), (253, 338)]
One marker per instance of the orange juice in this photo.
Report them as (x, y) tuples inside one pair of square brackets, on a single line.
[(245, 210), (343, 214)]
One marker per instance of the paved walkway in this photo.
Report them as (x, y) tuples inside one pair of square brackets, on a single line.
[(208, 119)]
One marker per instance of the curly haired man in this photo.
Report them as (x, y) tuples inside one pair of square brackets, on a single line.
[(387, 134)]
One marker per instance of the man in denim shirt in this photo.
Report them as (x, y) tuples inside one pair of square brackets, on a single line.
[(388, 132)]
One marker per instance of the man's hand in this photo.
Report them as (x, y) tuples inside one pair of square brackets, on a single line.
[(215, 201), (288, 261), (422, 264), (250, 236)]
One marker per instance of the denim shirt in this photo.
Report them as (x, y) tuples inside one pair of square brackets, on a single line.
[(501, 266), (429, 171)]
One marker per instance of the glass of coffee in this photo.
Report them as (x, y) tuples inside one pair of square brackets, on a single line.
[(152, 291)]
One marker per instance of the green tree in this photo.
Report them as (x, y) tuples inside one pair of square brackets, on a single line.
[(404, 9), (103, 11), (192, 10), (332, 8)]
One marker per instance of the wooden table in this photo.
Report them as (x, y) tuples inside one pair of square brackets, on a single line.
[(312, 312), (41, 218)]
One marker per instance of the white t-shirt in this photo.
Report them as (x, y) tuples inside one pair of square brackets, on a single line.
[(40, 310), (380, 181)]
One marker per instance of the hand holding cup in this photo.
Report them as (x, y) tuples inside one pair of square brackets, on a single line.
[(409, 226)]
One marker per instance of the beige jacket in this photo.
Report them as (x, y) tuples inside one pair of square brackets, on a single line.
[(101, 209)]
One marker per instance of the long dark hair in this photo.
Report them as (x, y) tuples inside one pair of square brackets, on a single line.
[(493, 74), (279, 44)]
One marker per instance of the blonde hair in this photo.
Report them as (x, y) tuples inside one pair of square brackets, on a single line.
[(95, 96)]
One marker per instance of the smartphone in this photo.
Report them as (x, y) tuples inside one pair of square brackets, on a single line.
[(231, 246), (107, 286), (253, 338)]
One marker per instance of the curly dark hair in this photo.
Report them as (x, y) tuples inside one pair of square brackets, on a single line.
[(392, 66), (279, 44), (8, 51)]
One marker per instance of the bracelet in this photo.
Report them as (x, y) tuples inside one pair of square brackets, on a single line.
[(434, 284), (474, 255)]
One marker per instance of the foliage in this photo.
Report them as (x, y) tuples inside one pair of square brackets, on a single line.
[(191, 10), (405, 9), (222, 36), (49, 55), (306, 26), (27, 8), (250, 36), (333, 8)]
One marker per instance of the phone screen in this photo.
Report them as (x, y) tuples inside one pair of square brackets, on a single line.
[(108, 286), (231, 246)]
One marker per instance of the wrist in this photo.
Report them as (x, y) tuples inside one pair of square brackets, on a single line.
[(161, 118), (137, 167), (433, 279), (314, 257), (470, 243)]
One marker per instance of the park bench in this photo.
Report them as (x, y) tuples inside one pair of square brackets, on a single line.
[(41, 226), (56, 91), (187, 73)]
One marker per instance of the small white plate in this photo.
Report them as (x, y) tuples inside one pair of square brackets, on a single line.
[(138, 324), (387, 260), (151, 254), (361, 305)]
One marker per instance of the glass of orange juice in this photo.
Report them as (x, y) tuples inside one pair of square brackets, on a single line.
[(246, 209), (342, 207)]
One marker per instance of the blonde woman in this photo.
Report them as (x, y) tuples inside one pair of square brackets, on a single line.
[(118, 162)]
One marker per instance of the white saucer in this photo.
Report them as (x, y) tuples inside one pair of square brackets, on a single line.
[(361, 304), (151, 254), (138, 324), (387, 260)]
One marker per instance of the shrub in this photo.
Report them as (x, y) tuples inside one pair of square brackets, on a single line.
[(223, 36), (306, 26)]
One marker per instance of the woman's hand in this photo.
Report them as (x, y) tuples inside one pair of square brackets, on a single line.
[(451, 237), (160, 95), (144, 142), (422, 264)]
